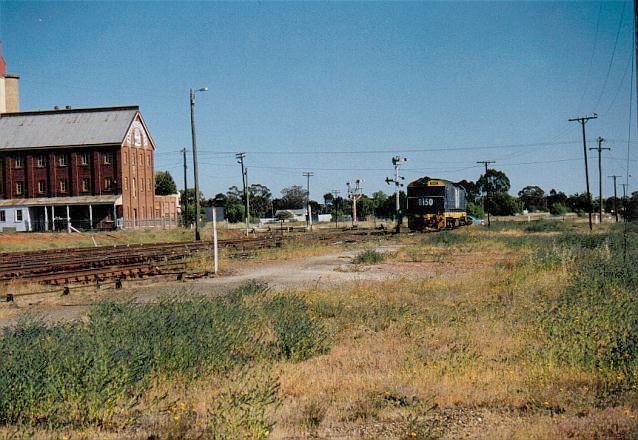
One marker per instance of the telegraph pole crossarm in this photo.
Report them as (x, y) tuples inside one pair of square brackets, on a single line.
[(583, 120), (487, 191)]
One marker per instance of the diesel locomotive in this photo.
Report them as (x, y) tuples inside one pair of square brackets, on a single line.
[(436, 204)]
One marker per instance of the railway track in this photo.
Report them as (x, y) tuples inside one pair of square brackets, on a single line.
[(98, 264), (75, 265)]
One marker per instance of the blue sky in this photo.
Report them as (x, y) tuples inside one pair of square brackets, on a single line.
[(339, 88)]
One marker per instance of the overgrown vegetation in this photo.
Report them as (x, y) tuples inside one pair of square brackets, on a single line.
[(513, 332), (94, 372), (593, 324), (369, 256)]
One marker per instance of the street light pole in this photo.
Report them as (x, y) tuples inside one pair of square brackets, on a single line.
[(195, 170)]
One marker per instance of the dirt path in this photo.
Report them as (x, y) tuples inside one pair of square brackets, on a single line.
[(309, 272)]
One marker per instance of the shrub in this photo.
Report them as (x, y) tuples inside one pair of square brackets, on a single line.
[(545, 226), (299, 335), (558, 209), (369, 257)]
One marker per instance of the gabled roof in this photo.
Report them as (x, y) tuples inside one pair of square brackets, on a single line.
[(65, 127)]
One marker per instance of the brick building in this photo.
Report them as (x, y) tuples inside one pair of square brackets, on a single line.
[(78, 168), (66, 169)]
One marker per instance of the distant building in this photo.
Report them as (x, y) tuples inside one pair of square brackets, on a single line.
[(9, 101), (298, 215), (67, 169)]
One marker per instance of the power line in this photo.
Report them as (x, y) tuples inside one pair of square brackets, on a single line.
[(591, 59), (613, 53)]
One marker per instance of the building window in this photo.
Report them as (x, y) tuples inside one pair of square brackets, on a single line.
[(134, 187), (108, 158), (85, 158), (19, 162), (148, 160), (64, 185), (86, 184), (141, 160), (125, 158), (133, 158), (3, 217), (126, 184), (19, 188), (41, 186), (108, 184), (40, 161), (62, 159), (18, 215)]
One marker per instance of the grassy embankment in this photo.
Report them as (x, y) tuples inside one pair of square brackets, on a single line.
[(519, 333)]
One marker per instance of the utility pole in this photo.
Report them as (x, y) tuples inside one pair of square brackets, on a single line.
[(308, 174), (615, 197), (624, 200), (487, 191), (600, 176), (583, 120), (336, 193), (197, 207), (396, 162), (244, 179), (185, 213), (354, 194)]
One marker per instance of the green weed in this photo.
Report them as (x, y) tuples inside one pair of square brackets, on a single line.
[(594, 323), (369, 257), (92, 373)]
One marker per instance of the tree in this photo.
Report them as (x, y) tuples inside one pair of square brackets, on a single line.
[(187, 202), (501, 203), (164, 184), (578, 203), (498, 184), (471, 190), (293, 197), (365, 207), (494, 180), (260, 200), (556, 198), (532, 197)]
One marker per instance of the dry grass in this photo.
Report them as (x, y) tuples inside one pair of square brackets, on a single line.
[(445, 357)]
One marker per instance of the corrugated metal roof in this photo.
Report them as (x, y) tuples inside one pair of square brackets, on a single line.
[(48, 201), (62, 128)]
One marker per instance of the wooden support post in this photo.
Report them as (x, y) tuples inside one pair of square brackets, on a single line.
[(68, 219), (90, 216)]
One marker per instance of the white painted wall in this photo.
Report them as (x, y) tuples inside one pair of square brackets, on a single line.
[(10, 217)]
